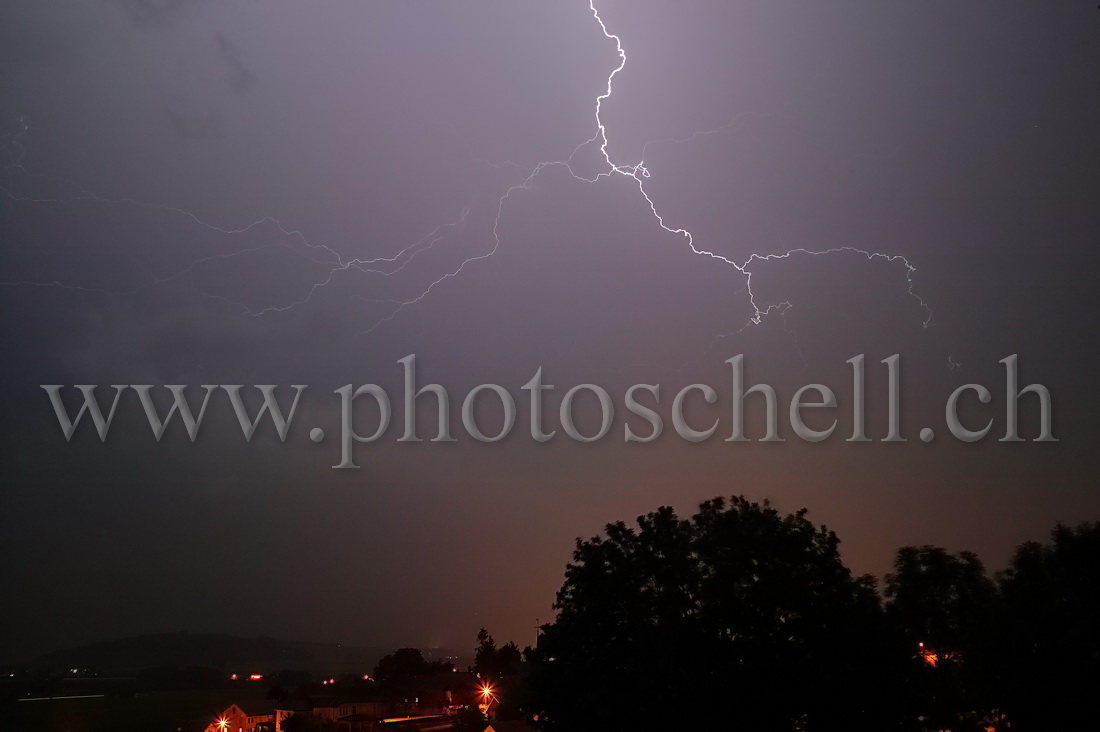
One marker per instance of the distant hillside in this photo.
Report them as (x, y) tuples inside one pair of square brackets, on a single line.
[(232, 653)]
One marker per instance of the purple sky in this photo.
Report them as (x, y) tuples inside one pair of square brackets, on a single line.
[(186, 183)]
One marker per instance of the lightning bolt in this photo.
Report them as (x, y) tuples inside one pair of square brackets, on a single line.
[(397, 263), (638, 172)]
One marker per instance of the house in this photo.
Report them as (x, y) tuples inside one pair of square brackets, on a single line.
[(426, 700), (354, 714), (245, 717)]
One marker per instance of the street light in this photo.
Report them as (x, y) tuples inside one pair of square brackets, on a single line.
[(488, 696)]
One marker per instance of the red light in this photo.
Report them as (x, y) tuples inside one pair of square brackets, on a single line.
[(256, 677)]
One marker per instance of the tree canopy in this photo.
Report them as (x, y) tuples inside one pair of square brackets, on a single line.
[(396, 672), (1050, 657), (738, 614), (493, 662), (741, 617)]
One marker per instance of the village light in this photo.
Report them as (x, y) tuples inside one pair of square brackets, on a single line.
[(488, 695)]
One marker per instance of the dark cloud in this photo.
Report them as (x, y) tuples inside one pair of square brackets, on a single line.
[(158, 230), (191, 126), (156, 15), (240, 78), (31, 37)]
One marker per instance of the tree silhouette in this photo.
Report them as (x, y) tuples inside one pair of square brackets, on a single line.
[(494, 662), (940, 599), (485, 655), (395, 672), (739, 616), (1050, 654), (469, 719), (945, 606), (504, 670)]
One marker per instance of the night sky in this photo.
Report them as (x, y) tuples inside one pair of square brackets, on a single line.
[(279, 192)]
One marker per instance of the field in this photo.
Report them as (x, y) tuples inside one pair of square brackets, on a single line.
[(174, 711)]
